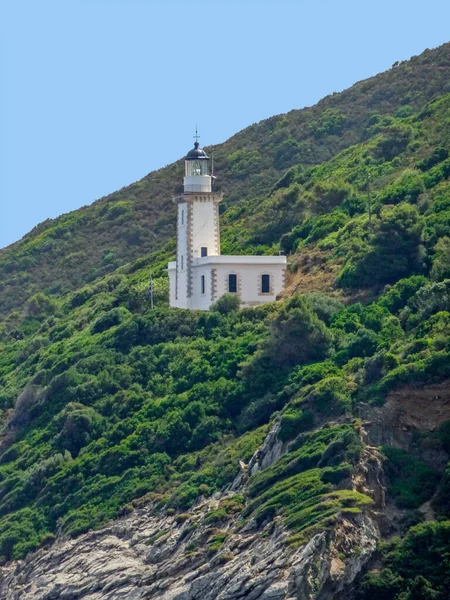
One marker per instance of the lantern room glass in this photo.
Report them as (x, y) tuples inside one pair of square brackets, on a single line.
[(197, 167)]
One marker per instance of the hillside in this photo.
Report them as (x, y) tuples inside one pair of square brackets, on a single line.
[(299, 449), (61, 254)]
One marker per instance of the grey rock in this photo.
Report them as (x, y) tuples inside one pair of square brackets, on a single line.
[(121, 561)]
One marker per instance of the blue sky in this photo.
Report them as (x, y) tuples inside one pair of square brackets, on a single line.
[(94, 94)]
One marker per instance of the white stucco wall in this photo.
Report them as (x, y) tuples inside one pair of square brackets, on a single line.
[(172, 271), (216, 269), (204, 227), (248, 270), (198, 300), (182, 254)]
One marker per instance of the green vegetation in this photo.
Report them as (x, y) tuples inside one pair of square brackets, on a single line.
[(300, 486), (417, 567), (106, 404), (107, 401), (412, 482)]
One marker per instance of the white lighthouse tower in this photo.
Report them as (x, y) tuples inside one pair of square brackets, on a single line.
[(200, 275)]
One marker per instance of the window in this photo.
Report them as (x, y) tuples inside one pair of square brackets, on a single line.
[(182, 262), (203, 251), (232, 283), (197, 167), (265, 284), (182, 216), (203, 284)]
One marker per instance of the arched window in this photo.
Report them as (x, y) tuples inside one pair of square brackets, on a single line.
[(265, 284), (232, 283)]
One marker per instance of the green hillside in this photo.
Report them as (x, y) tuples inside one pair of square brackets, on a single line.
[(61, 254), (107, 404)]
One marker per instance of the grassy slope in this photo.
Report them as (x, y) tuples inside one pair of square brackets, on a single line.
[(122, 405), (59, 255)]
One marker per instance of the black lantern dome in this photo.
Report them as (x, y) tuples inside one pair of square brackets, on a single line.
[(197, 153)]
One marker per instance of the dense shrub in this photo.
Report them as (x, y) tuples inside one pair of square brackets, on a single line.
[(437, 156), (407, 187), (396, 250), (415, 569), (77, 425), (110, 319), (396, 297), (441, 263), (297, 335), (226, 304), (294, 422), (411, 481)]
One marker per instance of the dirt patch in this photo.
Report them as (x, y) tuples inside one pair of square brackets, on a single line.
[(406, 410), (311, 271), (423, 408), (314, 270)]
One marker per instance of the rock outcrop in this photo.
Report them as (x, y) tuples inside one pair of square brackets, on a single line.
[(149, 556), (202, 556)]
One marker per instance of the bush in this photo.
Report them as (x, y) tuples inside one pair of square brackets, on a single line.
[(110, 319), (396, 297), (329, 195), (382, 585), (329, 396), (226, 304), (407, 187), (393, 141), (297, 335), (294, 422), (40, 305), (362, 345), (431, 299), (78, 425), (27, 406), (411, 481), (437, 156), (396, 250), (415, 569), (441, 262), (437, 174)]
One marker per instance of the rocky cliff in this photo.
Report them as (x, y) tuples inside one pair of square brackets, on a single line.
[(197, 556)]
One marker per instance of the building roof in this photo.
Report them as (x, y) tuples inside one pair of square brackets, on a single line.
[(197, 153)]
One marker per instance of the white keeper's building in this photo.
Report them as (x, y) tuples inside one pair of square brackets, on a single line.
[(200, 275)]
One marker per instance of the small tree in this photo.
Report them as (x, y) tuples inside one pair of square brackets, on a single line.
[(297, 335), (226, 304), (441, 263)]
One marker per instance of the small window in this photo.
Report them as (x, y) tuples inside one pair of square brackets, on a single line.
[(203, 284), (232, 283), (182, 216), (182, 262), (265, 284), (204, 251)]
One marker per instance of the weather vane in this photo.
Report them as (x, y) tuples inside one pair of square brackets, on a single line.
[(196, 134)]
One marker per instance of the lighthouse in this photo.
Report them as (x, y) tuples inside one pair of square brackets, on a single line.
[(200, 274)]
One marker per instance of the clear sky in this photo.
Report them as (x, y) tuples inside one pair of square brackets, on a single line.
[(96, 93)]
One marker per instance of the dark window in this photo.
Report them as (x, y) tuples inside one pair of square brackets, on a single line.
[(182, 262), (182, 216), (232, 283), (265, 284), (204, 251), (203, 284)]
